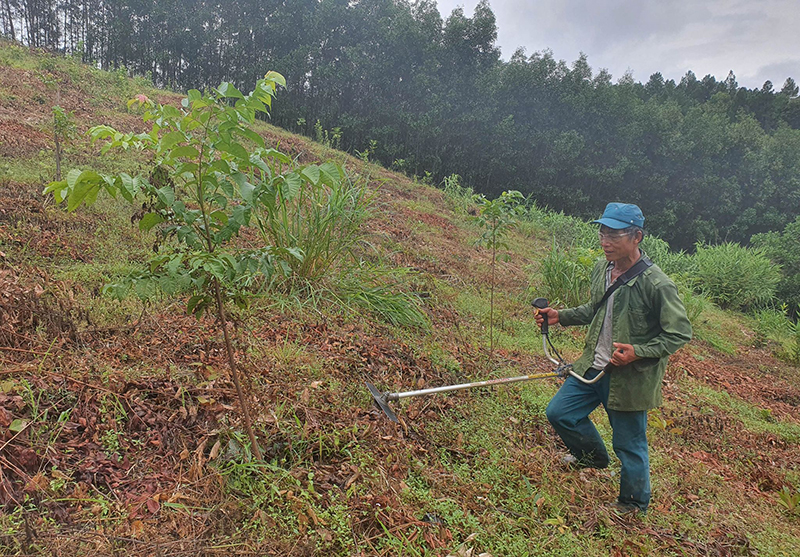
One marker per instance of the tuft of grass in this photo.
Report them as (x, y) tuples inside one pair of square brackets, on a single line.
[(461, 197), (397, 308), (736, 277), (323, 222), (775, 326), (564, 230), (675, 264), (566, 274)]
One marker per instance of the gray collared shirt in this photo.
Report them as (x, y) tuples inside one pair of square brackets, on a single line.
[(604, 348)]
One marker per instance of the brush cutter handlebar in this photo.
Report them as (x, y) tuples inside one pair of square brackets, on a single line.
[(541, 303)]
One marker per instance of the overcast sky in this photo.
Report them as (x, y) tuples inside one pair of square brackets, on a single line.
[(758, 39)]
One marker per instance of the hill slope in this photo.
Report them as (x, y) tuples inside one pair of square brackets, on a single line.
[(118, 422)]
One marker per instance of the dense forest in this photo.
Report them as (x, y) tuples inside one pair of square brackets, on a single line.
[(707, 160)]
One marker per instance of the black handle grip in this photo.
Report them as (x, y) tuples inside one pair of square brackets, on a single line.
[(541, 303)]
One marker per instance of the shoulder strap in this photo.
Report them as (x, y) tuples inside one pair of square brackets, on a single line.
[(638, 268)]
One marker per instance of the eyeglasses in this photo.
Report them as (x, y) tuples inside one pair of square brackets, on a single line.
[(612, 236)]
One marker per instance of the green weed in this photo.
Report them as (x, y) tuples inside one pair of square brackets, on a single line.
[(564, 230), (789, 499), (462, 198), (566, 274), (736, 277), (673, 263), (316, 230), (775, 326)]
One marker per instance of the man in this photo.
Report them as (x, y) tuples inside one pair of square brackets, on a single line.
[(631, 334)]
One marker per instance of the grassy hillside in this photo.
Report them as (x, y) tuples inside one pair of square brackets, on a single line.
[(119, 429)]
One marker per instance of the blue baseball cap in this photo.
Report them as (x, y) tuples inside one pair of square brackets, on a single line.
[(621, 215)]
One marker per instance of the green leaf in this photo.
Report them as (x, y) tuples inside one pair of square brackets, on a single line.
[(157, 262), (128, 186), (186, 234), (192, 215), (282, 157), (170, 140), (226, 89), (245, 188), (166, 195), (331, 173), (18, 425), (150, 220), (234, 149), (57, 189), (187, 168), (241, 215), (87, 185), (225, 234), (215, 267), (184, 151), (293, 183), (297, 253), (259, 163), (226, 185), (221, 166), (197, 305), (220, 200), (311, 172), (246, 191), (219, 217), (72, 177), (251, 135), (170, 112), (276, 78), (174, 264)]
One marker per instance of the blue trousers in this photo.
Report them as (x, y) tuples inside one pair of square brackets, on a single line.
[(569, 411)]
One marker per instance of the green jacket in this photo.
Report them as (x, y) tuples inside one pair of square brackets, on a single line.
[(648, 314)]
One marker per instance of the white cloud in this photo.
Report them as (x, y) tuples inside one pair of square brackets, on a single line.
[(757, 40)]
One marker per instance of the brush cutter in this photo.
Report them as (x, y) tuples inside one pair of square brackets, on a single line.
[(563, 370)]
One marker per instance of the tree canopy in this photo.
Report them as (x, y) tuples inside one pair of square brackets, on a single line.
[(706, 159)]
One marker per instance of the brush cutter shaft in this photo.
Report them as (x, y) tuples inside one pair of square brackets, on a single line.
[(488, 383), (562, 370)]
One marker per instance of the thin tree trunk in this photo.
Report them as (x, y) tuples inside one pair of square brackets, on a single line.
[(10, 20), (58, 154), (55, 135), (491, 303), (234, 371)]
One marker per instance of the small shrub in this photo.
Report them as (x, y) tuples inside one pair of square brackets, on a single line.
[(737, 277), (64, 130), (496, 217), (330, 139), (202, 191)]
